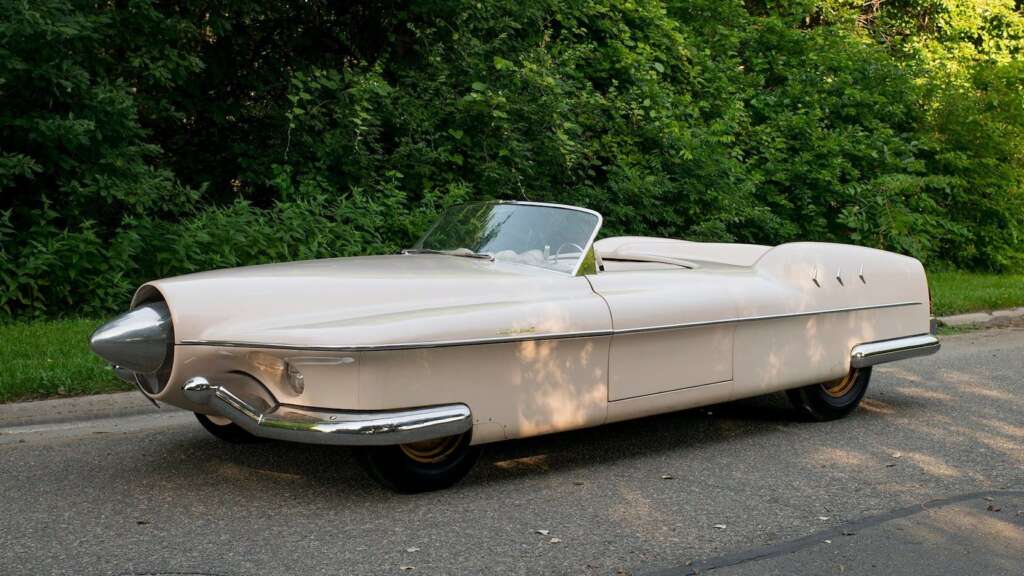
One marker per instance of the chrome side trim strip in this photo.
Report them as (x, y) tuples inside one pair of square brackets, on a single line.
[(760, 318), (530, 337), (334, 427), (872, 353), (400, 345)]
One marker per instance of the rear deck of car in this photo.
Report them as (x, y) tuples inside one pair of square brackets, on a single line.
[(622, 253)]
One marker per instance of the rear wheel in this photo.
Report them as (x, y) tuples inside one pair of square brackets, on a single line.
[(226, 430), (420, 466), (832, 399)]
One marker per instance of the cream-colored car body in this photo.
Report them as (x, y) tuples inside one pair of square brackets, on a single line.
[(665, 325)]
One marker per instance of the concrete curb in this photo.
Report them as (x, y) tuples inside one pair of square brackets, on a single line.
[(80, 408), (976, 318)]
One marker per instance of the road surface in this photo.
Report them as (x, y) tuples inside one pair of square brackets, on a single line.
[(926, 478)]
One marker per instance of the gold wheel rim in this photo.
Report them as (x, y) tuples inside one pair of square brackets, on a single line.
[(431, 451), (838, 388)]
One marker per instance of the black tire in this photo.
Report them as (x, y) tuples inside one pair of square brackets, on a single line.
[(831, 400), (406, 469), (231, 432)]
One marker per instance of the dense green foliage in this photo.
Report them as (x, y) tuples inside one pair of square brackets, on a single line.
[(141, 139)]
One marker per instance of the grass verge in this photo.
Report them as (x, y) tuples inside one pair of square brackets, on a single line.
[(955, 330), (43, 359), (960, 292)]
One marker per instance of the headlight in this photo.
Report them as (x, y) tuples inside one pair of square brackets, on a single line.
[(139, 340)]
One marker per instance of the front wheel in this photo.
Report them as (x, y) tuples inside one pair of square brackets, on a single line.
[(420, 466), (833, 399)]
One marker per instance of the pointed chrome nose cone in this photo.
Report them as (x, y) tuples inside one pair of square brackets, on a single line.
[(138, 340)]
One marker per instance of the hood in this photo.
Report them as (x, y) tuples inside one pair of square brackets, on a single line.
[(370, 300)]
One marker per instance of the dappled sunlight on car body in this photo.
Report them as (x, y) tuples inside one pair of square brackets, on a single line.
[(508, 320)]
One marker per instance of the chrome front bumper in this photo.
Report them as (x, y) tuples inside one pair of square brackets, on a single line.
[(872, 353), (337, 427)]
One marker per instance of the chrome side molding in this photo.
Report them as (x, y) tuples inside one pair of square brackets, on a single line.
[(335, 427), (864, 355)]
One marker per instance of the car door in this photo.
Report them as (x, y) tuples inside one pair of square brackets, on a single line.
[(668, 327)]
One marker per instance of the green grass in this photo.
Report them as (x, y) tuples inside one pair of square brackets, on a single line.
[(42, 359), (955, 330), (957, 292)]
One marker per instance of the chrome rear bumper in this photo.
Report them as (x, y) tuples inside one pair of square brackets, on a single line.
[(872, 353), (338, 427)]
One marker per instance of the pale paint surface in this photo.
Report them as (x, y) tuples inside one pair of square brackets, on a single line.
[(519, 389)]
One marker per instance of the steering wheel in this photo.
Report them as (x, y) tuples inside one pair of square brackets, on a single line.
[(558, 253)]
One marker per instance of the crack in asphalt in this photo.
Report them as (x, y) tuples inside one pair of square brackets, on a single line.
[(848, 529)]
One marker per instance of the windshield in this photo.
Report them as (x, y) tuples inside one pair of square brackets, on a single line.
[(548, 236)]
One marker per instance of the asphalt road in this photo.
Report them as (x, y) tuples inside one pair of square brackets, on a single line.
[(926, 478)]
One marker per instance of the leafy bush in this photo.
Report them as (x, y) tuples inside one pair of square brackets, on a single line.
[(143, 139)]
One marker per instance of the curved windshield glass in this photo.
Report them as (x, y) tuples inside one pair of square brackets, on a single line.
[(542, 235)]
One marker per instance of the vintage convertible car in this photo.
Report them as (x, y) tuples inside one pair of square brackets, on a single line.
[(507, 320)]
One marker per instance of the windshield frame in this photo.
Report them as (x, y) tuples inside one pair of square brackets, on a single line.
[(587, 248)]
